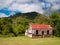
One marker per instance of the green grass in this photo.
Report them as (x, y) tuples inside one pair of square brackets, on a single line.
[(29, 41)]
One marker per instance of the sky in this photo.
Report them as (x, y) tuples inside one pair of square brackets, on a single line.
[(10, 7)]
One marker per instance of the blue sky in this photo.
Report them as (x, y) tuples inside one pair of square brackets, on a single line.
[(10, 7)]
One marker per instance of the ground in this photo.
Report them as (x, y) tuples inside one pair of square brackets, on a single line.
[(29, 41)]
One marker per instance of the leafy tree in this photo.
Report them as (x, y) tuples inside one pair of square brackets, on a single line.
[(55, 22), (20, 24), (41, 19)]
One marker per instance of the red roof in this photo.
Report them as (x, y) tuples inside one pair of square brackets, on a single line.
[(41, 26)]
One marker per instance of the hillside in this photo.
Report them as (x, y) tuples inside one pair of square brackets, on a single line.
[(17, 24), (29, 15)]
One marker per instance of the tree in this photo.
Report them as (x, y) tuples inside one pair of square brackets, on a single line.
[(41, 19), (55, 23), (19, 25)]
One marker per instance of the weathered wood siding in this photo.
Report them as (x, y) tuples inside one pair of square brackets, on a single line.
[(32, 32)]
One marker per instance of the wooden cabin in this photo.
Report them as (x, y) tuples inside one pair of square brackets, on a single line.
[(39, 30)]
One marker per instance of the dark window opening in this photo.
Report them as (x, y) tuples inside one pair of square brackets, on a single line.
[(47, 31), (42, 32), (36, 31)]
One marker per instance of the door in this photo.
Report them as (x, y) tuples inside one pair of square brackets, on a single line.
[(42, 33)]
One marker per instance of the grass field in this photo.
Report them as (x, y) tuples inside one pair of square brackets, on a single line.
[(29, 41)]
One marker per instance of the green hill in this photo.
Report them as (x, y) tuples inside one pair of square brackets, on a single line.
[(17, 24)]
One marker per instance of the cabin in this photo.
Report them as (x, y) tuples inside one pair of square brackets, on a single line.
[(39, 30)]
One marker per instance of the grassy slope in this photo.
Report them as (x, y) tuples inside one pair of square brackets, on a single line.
[(29, 41)]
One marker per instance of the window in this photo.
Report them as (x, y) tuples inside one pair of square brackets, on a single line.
[(47, 31), (36, 31)]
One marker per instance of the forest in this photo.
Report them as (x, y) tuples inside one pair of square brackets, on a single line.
[(16, 25)]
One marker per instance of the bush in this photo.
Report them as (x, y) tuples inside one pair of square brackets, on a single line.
[(10, 35)]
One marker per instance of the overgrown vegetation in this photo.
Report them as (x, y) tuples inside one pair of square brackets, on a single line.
[(17, 24)]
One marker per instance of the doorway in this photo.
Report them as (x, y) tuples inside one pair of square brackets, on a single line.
[(42, 33)]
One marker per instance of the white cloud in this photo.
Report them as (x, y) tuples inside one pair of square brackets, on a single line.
[(55, 7), (48, 5), (27, 7), (55, 4), (3, 15), (23, 1), (27, 1), (5, 3), (51, 1), (24, 6)]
